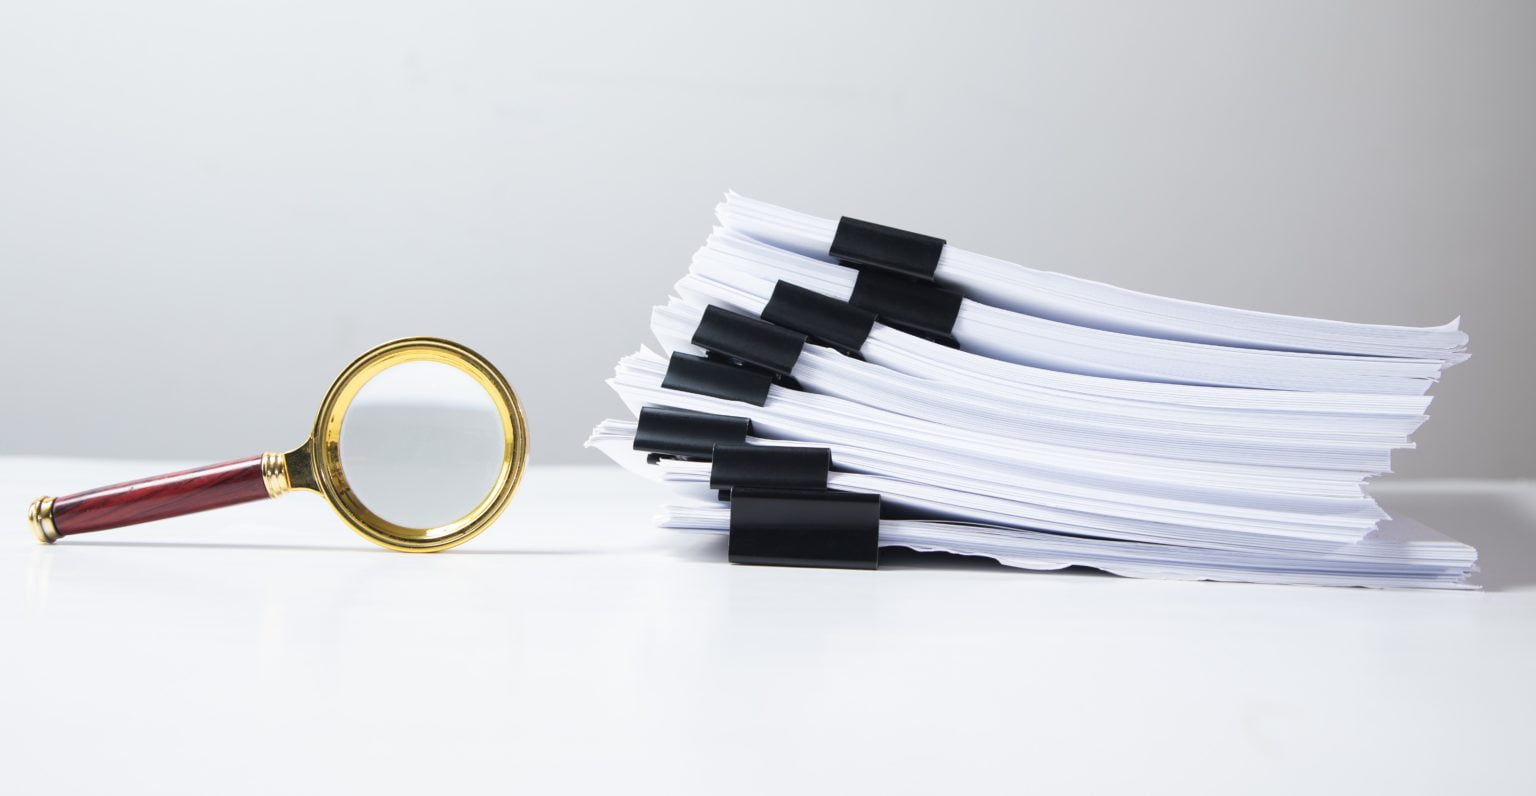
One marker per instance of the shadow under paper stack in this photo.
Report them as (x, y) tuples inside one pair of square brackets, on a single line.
[(1057, 421)]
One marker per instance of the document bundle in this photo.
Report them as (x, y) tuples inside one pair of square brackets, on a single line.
[(825, 388)]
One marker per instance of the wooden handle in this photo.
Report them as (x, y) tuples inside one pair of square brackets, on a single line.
[(161, 496)]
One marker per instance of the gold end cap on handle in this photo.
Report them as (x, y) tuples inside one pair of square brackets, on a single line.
[(274, 474), (40, 517)]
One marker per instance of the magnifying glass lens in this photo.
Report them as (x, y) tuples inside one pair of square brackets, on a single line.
[(421, 444)]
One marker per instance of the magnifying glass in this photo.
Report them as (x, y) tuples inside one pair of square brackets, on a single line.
[(419, 445)]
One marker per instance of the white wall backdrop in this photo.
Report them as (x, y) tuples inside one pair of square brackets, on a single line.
[(207, 208)]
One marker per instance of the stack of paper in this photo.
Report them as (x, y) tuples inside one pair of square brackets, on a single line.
[(1076, 424)]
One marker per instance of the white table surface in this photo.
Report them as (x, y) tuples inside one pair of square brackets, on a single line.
[(268, 649)]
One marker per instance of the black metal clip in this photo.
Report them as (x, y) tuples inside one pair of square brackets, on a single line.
[(781, 509), (686, 434), (825, 320), (920, 308), (897, 278), (769, 467), (865, 244), (805, 528), (782, 512), (716, 378), (749, 342)]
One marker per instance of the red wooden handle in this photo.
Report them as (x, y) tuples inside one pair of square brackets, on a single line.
[(161, 496)]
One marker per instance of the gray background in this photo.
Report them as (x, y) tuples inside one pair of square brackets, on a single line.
[(207, 209)]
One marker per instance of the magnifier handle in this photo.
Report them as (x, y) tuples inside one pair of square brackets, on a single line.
[(159, 497)]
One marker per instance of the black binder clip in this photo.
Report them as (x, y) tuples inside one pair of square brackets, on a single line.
[(663, 431), (745, 357), (782, 512), (748, 342), (897, 278), (862, 243), (716, 378), (768, 467), (805, 528), (825, 320)]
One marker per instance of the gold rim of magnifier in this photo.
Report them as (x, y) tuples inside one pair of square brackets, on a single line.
[(316, 465)]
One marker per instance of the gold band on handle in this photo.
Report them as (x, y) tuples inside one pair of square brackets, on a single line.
[(274, 473), (40, 517)]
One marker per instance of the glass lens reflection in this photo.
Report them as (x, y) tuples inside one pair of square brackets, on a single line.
[(421, 444)]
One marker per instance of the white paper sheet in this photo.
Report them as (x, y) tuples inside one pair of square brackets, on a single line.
[(1082, 302), (1079, 424)]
